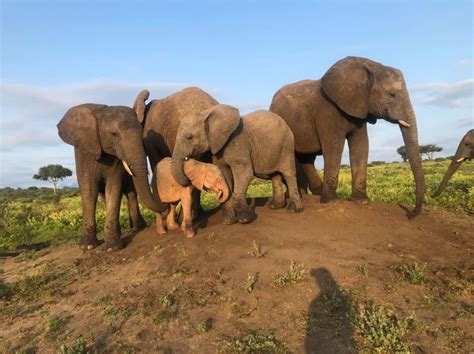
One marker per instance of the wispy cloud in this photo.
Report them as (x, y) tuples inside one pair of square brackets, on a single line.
[(466, 122), (450, 95), (30, 113)]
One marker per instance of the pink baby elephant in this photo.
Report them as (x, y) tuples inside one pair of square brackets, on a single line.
[(203, 176)]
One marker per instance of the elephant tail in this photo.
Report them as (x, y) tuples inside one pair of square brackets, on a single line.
[(140, 104)]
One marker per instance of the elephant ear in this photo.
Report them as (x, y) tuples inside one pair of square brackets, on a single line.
[(348, 83), (140, 104), (220, 121), (79, 128)]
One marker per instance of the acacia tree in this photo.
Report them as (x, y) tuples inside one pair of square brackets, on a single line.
[(403, 153), (53, 174), (429, 150)]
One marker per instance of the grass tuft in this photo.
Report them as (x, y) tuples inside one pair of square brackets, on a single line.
[(295, 275)]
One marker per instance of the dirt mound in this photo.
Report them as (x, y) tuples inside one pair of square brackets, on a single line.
[(231, 286)]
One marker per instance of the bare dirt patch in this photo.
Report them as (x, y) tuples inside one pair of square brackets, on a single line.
[(340, 265)]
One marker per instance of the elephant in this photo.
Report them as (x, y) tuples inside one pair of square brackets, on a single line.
[(107, 144), (160, 119), (203, 176), (323, 113), (464, 152), (259, 144)]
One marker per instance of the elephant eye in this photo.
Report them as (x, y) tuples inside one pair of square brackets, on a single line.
[(392, 94), (189, 137), (114, 134)]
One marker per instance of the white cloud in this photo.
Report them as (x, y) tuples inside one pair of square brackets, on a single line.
[(441, 94), (466, 122)]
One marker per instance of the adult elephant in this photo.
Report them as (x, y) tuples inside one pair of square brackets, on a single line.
[(324, 113), (107, 142), (464, 152), (160, 119)]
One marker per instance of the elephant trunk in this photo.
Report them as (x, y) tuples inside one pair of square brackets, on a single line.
[(135, 157), (177, 165), (410, 138), (453, 167), (223, 194)]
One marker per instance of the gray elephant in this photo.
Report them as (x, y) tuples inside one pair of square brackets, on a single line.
[(160, 119), (464, 152), (259, 144), (107, 142), (322, 114)]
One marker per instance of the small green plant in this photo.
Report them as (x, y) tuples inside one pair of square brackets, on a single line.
[(205, 326), (295, 275), (412, 273), (56, 324), (254, 343), (167, 300), (364, 270), (158, 249), (257, 251), (251, 281), (241, 309), (381, 330), (79, 347)]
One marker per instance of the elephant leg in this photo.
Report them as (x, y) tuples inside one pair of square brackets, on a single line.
[(160, 228), (288, 171), (186, 204), (89, 195), (196, 207), (277, 201), (113, 192), (136, 220), (243, 174), (171, 223), (312, 176), (228, 210), (301, 179), (358, 142), (332, 164)]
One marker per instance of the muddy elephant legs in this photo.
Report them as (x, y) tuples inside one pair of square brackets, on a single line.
[(358, 142), (89, 195), (332, 164), (112, 213), (305, 163)]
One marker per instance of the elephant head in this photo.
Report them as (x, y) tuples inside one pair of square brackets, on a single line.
[(111, 130), (209, 131), (208, 177), (364, 89), (464, 152)]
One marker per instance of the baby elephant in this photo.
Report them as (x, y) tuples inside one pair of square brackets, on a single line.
[(203, 176), (258, 144)]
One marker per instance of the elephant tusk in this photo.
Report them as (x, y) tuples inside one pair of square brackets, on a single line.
[(460, 160), (186, 158), (405, 124), (127, 168)]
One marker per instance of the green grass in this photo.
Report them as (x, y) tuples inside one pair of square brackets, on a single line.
[(295, 275), (34, 215), (411, 273)]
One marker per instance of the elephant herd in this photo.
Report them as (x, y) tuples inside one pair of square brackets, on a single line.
[(193, 143)]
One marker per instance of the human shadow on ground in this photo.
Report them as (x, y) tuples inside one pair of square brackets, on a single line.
[(329, 325)]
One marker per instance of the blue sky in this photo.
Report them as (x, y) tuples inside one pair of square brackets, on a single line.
[(56, 54)]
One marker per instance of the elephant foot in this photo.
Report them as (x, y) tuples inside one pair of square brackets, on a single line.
[(141, 224), (359, 198), (246, 216), (328, 197), (316, 190), (113, 244), (88, 242), (276, 203), (187, 228), (172, 226), (228, 216), (295, 207)]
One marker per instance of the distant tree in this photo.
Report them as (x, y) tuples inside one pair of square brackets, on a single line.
[(375, 163), (53, 174), (403, 153), (429, 150)]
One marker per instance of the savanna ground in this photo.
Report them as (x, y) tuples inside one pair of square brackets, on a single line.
[(339, 277)]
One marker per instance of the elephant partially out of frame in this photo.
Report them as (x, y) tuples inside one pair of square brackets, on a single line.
[(107, 144), (322, 114), (464, 152)]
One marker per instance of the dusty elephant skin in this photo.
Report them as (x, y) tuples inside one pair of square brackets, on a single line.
[(203, 176), (259, 144), (464, 152), (322, 114), (107, 140)]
